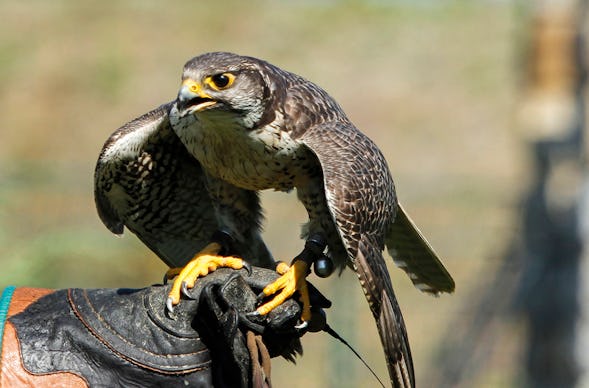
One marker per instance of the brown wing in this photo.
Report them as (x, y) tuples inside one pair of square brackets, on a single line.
[(361, 199), (146, 180), (412, 253), (308, 106)]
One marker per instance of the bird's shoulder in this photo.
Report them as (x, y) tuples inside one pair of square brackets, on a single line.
[(128, 140), (301, 104)]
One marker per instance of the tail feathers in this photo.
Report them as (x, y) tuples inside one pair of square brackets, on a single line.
[(376, 284), (412, 253), (397, 351)]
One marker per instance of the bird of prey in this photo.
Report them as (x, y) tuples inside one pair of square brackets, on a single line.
[(250, 126)]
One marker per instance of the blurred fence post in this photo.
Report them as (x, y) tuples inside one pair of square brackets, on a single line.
[(545, 269), (553, 118)]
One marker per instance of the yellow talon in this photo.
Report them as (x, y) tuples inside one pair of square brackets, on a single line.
[(293, 279), (202, 263), (282, 268)]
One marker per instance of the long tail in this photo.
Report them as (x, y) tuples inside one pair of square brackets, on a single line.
[(376, 283)]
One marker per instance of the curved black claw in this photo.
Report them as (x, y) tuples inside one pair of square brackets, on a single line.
[(260, 297), (170, 305), (248, 267), (253, 314), (165, 280)]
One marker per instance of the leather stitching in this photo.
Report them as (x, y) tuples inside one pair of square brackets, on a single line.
[(190, 368)]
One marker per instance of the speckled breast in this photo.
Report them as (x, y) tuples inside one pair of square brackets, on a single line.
[(265, 158)]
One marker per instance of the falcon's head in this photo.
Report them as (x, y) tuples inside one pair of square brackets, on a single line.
[(223, 86)]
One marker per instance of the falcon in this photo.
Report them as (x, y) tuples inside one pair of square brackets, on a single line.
[(247, 126)]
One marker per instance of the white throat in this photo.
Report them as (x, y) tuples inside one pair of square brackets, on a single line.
[(253, 159)]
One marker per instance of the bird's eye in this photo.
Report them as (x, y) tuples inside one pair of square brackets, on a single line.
[(220, 81)]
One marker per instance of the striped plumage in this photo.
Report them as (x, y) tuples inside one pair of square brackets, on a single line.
[(147, 181)]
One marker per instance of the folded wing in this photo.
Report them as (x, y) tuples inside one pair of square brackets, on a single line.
[(146, 180)]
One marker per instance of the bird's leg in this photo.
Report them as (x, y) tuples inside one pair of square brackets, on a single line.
[(204, 262), (294, 279), (171, 273)]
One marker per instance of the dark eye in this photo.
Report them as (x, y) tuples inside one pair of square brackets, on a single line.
[(220, 81), (223, 80)]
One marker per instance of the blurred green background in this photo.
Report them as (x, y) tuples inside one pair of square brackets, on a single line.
[(432, 82)]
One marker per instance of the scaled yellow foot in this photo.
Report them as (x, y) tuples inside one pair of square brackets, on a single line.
[(293, 279), (202, 263)]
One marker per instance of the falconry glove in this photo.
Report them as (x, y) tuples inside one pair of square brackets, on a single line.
[(124, 337)]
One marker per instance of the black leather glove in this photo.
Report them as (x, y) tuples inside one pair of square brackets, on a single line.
[(124, 337)]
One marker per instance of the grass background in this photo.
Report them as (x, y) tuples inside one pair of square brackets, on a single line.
[(434, 83)]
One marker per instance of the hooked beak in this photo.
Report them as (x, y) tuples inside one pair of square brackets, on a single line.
[(192, 98)]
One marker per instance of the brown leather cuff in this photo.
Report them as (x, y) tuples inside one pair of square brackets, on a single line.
[(12, 371)]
